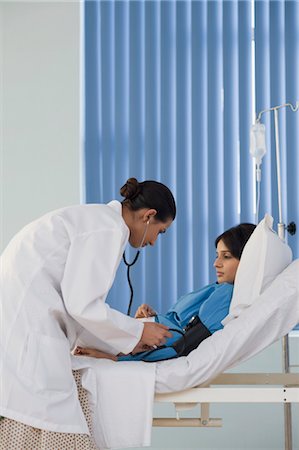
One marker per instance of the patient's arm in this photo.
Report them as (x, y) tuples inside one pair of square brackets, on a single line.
[(94, 353), (145, 310), (79, 351)]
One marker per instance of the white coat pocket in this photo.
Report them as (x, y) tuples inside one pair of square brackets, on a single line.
[(47, 363)]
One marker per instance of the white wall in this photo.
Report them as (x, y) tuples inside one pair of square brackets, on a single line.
[(40, 124)]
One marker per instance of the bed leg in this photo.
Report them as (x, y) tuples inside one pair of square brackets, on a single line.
[(287, 406), (288, 426), (205, 413)]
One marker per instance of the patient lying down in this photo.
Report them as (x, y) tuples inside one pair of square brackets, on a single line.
[(197, 315)]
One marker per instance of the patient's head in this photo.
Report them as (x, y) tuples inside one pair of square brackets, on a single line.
[(229, 247)]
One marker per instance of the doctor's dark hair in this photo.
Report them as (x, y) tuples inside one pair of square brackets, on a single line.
[(236, 237), (149, 194)]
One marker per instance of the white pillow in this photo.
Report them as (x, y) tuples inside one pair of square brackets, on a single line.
[(264, 256)]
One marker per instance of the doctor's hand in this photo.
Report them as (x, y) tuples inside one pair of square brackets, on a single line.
[(145, 310), (154, 334)]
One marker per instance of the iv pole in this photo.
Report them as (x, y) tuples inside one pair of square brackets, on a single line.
[(291, 228), (281, 225)]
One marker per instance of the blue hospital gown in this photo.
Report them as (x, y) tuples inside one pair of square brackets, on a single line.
[(210, 304)]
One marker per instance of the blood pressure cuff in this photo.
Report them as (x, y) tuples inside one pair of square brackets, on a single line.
[(193, 335), (196, 332)]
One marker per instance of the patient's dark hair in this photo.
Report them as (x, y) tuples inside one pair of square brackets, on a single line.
[(236, 237), (149, 194)]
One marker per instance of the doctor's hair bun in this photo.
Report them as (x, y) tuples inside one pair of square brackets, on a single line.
[(130, 189)]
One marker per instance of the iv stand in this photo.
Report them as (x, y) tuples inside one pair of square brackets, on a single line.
[(281, 233), (281, 226)]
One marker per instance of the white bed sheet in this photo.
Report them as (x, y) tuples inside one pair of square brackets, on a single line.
[(273, 314), (121, 398)]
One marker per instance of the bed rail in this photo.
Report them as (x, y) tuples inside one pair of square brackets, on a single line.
[(229, 388)]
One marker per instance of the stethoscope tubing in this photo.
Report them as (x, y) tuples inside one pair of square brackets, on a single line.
[(129, 265)]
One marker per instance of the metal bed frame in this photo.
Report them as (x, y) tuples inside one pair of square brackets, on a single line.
[(233, 388)]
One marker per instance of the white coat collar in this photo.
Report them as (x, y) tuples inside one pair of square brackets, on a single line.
[(116, 206)]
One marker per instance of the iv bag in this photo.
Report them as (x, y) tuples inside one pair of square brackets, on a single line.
[(258, 142)]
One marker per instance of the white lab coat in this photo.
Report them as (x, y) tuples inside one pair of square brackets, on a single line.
[(55, 276)]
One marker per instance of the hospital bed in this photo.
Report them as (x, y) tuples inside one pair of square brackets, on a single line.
[(198, 378)]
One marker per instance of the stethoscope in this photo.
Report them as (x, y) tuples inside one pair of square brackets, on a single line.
[(129, 265)]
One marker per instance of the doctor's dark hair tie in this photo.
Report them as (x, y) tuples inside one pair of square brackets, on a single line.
[(149, 194)]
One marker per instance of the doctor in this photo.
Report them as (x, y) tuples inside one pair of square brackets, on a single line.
[(55, 276)]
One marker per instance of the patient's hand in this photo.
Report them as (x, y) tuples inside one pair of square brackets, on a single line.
[(145, 310), (79, 351), (141, 347)]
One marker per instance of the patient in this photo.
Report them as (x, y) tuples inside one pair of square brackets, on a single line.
[(196, 315)]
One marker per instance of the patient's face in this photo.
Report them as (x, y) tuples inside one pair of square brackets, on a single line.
[(226, 265)]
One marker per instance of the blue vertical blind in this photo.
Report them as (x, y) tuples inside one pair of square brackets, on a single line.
[(168, 91)]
